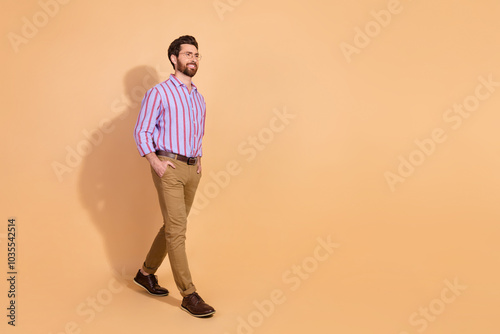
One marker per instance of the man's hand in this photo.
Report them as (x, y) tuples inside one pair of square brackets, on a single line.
[(158, 166), (198, 164)]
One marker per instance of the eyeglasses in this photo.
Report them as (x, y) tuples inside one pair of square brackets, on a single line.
[(190, 55)]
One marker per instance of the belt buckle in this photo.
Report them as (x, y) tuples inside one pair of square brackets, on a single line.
[(191, 161)]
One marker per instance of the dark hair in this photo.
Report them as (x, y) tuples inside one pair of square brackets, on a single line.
[(175, 46)]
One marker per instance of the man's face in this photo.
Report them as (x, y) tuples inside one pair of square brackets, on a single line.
[(185, 64)]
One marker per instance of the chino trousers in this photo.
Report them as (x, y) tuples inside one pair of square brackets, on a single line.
[(176, 190)]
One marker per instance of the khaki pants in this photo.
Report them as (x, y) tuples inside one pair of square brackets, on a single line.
[(176, 190)]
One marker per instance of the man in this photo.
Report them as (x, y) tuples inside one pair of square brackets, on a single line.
[(169, 132)]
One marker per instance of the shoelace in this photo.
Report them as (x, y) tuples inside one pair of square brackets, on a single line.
[(155, 280), (198, 297)]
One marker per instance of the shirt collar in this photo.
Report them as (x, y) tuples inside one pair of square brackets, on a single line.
[(178, 83)]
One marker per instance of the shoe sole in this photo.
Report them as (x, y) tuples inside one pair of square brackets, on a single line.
[(153, 294), (197, 315)]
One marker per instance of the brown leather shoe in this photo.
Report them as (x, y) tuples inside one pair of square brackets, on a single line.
[(150, 283), (196, 306)]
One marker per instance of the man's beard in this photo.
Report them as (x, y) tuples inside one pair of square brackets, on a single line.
[(188, 71)]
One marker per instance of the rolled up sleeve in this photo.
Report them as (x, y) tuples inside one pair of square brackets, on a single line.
[(146, 122)]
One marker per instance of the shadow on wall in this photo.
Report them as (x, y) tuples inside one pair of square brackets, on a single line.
[(116, 186)]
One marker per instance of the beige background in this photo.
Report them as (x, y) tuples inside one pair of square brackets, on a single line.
[(83, 234)]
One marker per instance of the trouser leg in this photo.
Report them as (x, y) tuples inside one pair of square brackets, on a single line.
[(156, 253), (176, 190)]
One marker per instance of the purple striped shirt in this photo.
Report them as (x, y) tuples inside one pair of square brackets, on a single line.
[(171, 119)]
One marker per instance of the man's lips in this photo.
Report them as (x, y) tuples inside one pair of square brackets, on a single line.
[(191, 65)]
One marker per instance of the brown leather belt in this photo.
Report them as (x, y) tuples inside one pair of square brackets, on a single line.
[(189, 161)]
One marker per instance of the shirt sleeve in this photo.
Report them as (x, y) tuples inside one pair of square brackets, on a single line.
[(146, 122)]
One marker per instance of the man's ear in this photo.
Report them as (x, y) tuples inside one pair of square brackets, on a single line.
[(173, 59)]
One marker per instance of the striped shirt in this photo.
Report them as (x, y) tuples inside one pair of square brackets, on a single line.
[(171, 119)]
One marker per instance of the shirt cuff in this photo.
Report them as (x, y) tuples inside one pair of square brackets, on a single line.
[(145, 149)]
